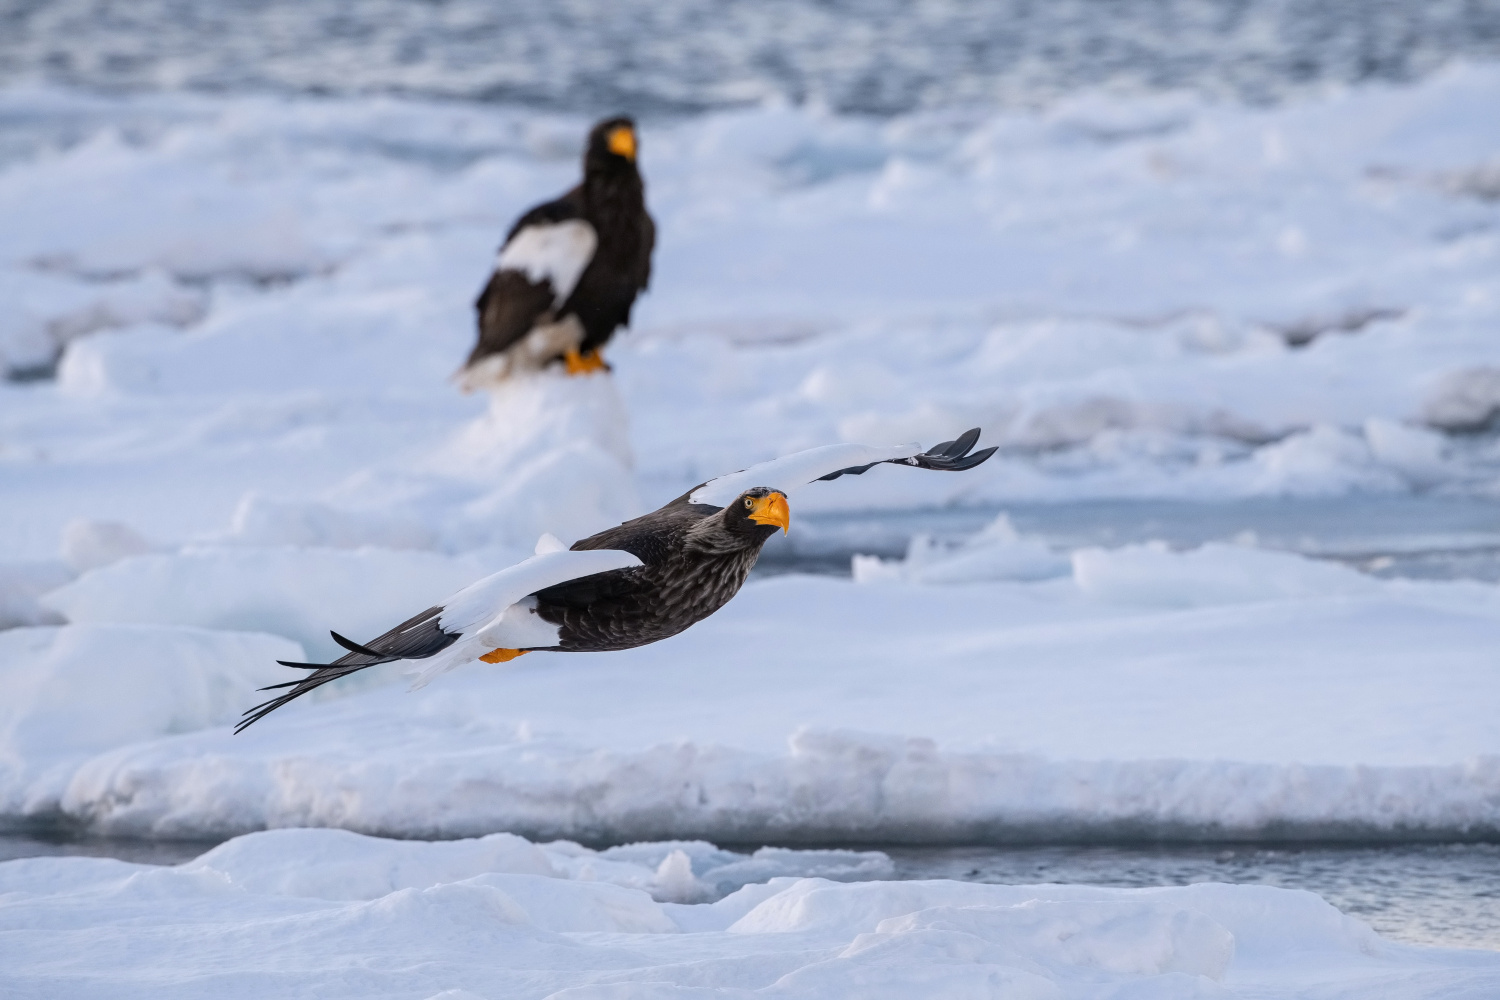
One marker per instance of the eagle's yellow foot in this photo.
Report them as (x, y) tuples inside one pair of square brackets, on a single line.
[(503, 655), (583, 364)]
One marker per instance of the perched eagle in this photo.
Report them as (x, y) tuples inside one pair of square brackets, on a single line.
[(569, 269), (645, 580)]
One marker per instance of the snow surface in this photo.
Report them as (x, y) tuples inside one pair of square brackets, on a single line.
[(78, 690), (279, 289), (260, 303), (1219, 692), (255, 307), (331, 914)]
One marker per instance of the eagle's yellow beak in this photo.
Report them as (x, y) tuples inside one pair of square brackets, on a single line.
[(772, 509), (622, 142)]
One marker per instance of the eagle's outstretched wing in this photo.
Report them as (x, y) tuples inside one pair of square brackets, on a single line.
[(792, 472), (483, 616)]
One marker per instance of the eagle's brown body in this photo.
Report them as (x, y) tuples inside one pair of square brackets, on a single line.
[(694, 563)]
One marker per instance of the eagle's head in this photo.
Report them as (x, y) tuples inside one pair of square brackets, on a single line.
[(612, 145), (757, 513)]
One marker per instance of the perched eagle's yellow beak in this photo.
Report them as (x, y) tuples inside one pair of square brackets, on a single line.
[(622, 142), (772, 509)]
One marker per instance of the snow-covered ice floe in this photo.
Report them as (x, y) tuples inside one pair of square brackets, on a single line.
[(74, 691), (251, 437), (332, 914), (994, 691)]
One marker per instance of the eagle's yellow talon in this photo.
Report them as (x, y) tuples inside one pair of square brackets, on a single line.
[(503, 655), (583, 364)]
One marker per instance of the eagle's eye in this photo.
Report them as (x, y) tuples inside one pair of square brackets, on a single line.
[(749, 504)]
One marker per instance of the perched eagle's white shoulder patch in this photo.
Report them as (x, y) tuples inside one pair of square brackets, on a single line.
[(556, 252)]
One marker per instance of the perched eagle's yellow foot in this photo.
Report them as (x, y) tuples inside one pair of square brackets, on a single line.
[(583, 364), (503, 655)]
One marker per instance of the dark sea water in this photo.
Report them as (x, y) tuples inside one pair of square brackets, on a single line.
[(681, 56), (1443, 894)]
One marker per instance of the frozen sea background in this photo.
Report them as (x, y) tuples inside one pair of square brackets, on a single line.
[(1220, 280), (687, 56)]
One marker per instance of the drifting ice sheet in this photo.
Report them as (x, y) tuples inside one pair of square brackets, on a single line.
[(346, 916), (75, 691), (1218, 692)]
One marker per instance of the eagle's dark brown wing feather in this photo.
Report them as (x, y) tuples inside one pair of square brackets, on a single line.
[(509, 307), (950, 456), (652, 537), (621, 267), (511, 304), (417, 637)]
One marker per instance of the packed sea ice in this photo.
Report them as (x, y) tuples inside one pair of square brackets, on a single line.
[(250, 308), (261, 300), (1220, 692), (332, 914)]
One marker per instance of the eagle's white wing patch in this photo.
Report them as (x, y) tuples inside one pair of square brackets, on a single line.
[(497, 611), (792, 472), (556, 252), (485, 600)]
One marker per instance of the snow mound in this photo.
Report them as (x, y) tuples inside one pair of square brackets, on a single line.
[(74, 691), (174, 204), (134, 360), (347, 916), (1213, 574), (998, 552), (291, 342), (269, 522), (551, 455), (1148, 575), (692, 871), (337, 864), (1464, 400), (1120, 932), (297, 593), (47, 312), (22, 586), (90, 545)]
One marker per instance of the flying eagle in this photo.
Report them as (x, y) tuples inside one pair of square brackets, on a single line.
[(643, 581), (569, 270)]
